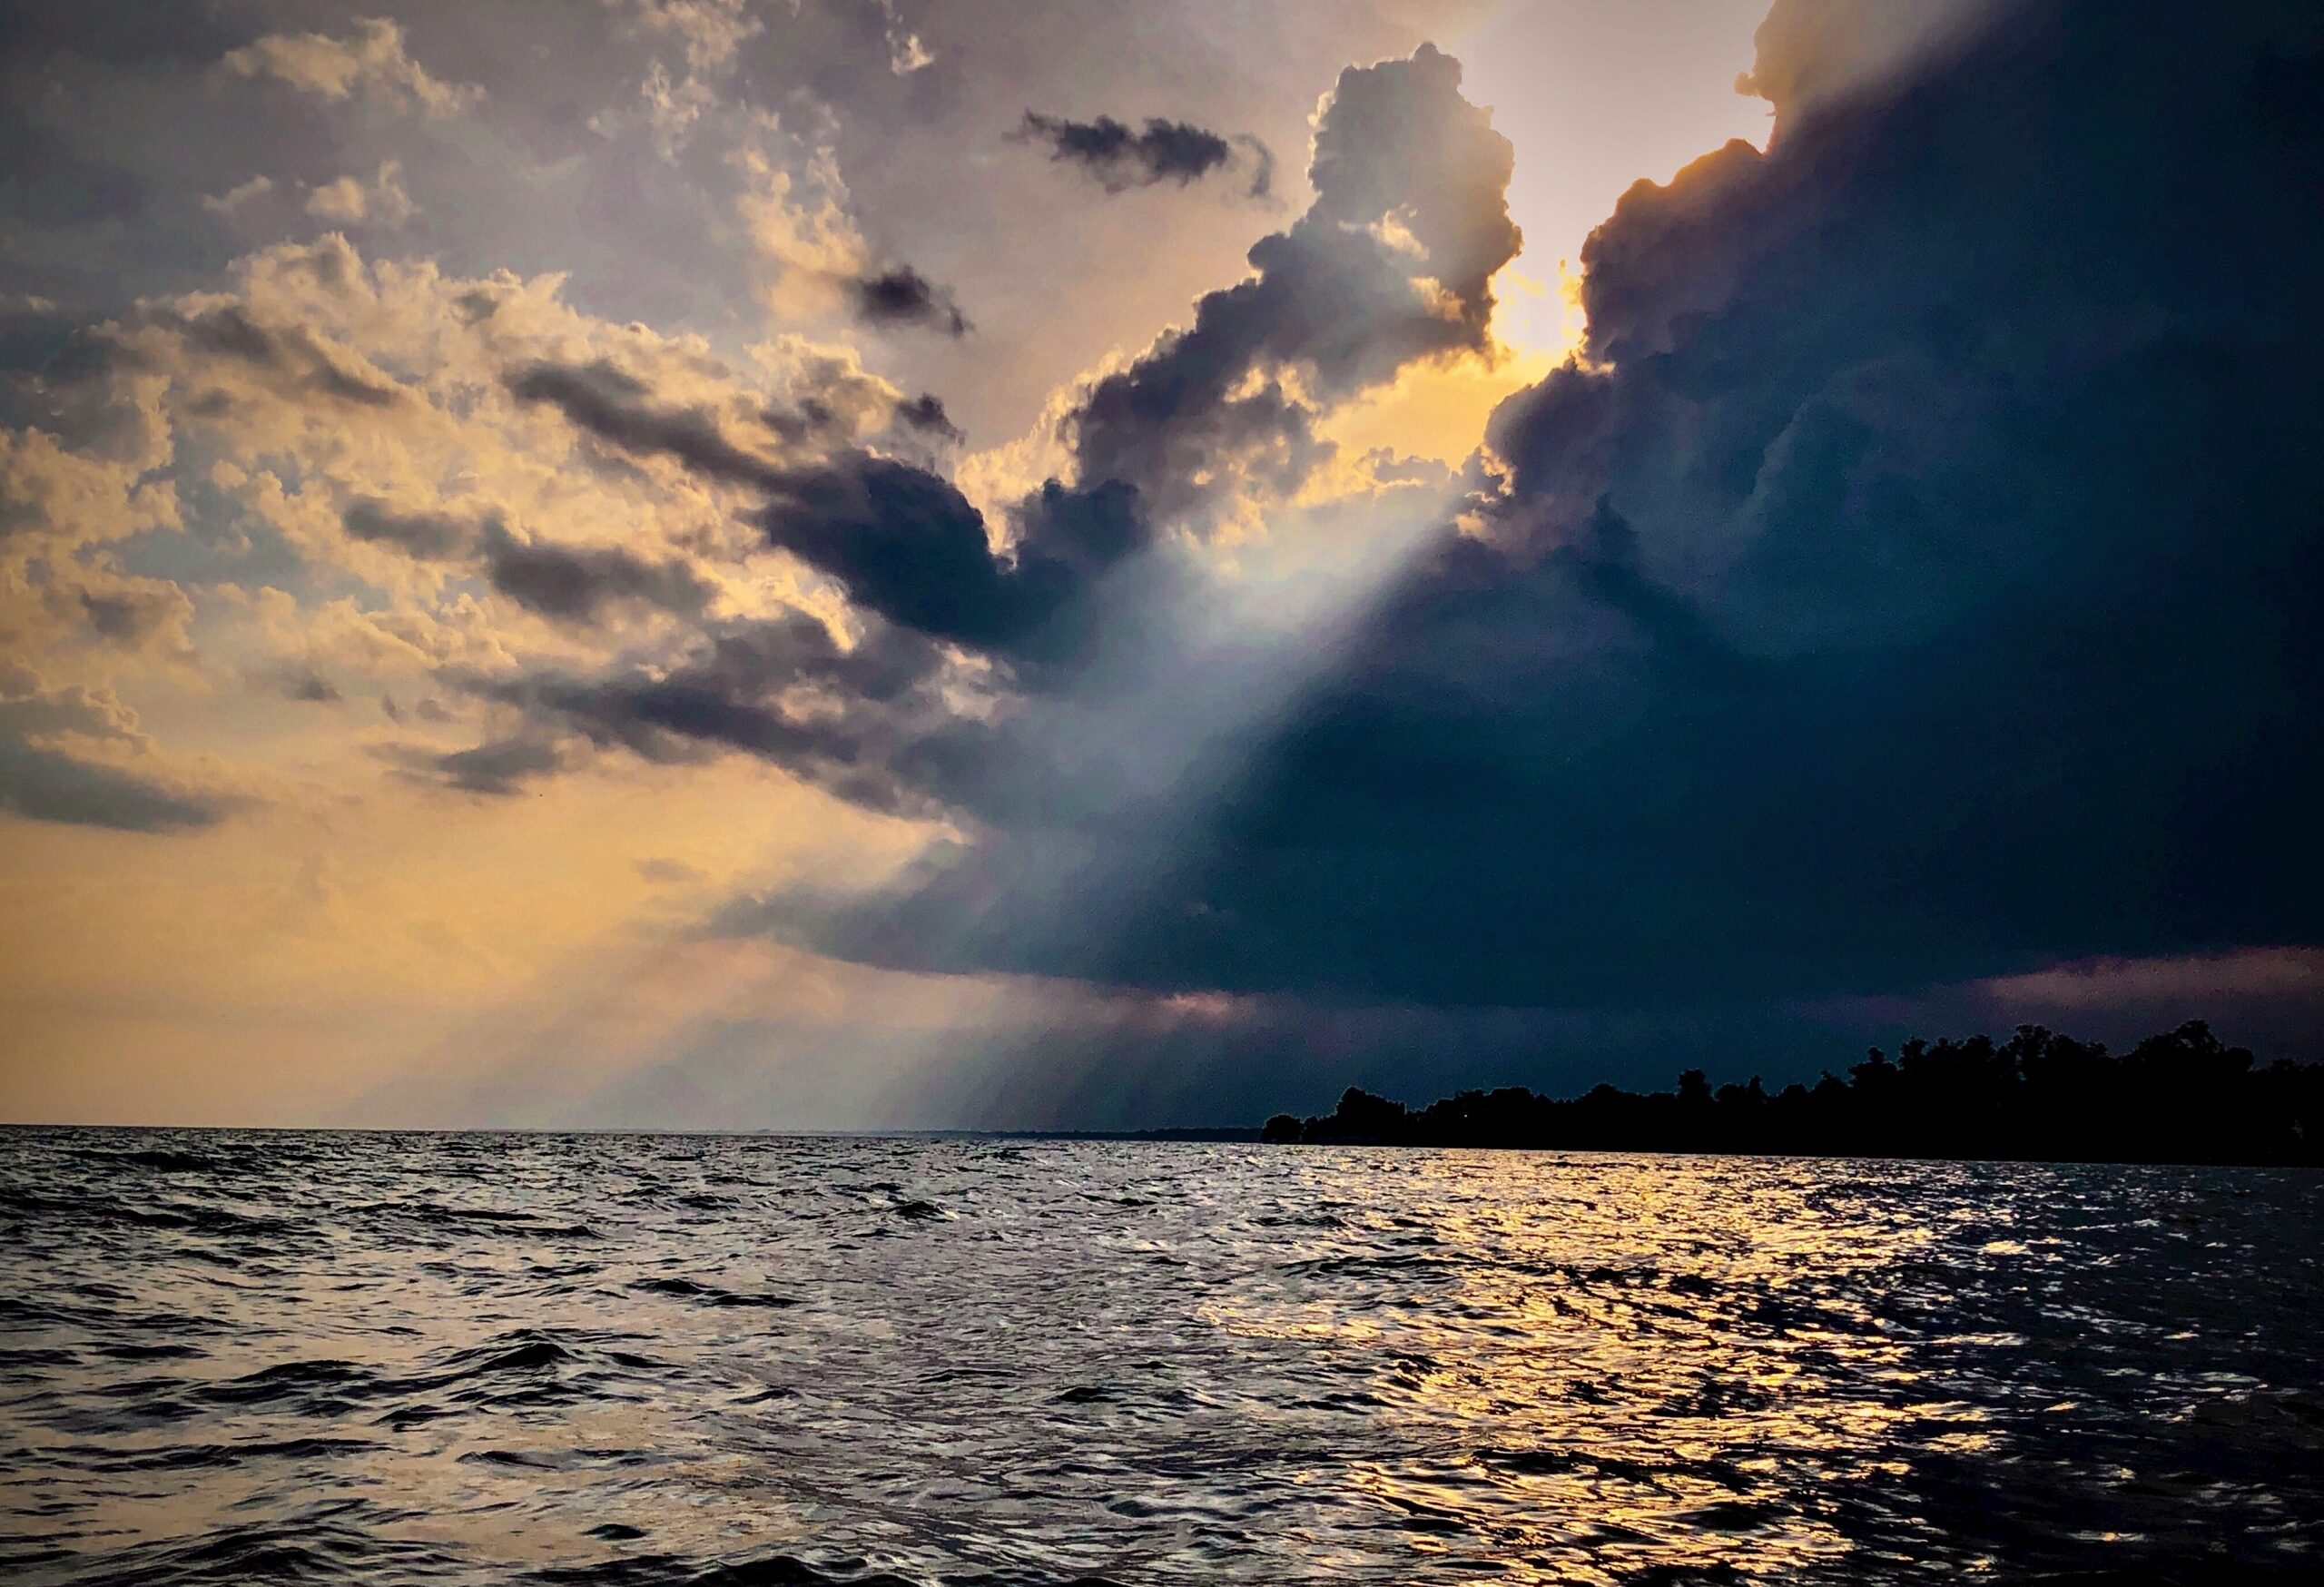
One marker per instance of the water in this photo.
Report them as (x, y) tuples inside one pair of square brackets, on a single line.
[(375, 1358)]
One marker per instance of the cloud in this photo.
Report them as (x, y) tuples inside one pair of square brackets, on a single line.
[(906, 53), (569, 582), (1391, 265), (497, 767), (397, 554), (372, 63), (900, 295), (63, 511), (238, 196), (577, 584), (908, 546), (432, 537), (291, 356), (1914, 581), (350, 202), (76, 755), (619, 408), (2113, 984), (863, 721), (305, 685), (925, 413), (1119, 159), (903, 542), (45, 785), (795, 207), (135, 612), (710, 31), (1809, 51), (664, 871)]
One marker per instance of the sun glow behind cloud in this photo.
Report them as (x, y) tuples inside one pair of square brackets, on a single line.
[(1594, 98)]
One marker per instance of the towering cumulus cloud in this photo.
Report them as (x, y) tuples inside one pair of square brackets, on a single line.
[(1915, 578), (1390, 266), (1393, 264)]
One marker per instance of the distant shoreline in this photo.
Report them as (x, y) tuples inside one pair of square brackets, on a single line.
[(2183, 1097)]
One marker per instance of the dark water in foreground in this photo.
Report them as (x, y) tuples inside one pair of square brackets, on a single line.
[(611, 1360)]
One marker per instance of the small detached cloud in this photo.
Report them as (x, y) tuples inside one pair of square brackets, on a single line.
[(238, 197), (900, 295), (1119, 159)]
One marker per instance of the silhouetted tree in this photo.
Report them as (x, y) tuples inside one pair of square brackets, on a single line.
[(2183, 1095)]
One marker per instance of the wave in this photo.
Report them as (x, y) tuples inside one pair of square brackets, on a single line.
[(160, 1159), (710, 1293), (1413, 1370)]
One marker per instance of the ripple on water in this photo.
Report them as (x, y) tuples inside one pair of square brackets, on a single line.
[(597, 1360)]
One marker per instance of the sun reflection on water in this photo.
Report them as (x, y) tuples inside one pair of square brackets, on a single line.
[(460, 1359)]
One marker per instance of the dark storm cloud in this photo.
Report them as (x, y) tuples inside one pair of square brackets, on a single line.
[(618, 408), (903, 542), (569, 582), (900, 295), (906, 544), (1119, 158), (1919, 583), (577, 583), (864, 721)]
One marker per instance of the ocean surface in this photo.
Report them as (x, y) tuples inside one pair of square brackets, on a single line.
[(233, 1357)]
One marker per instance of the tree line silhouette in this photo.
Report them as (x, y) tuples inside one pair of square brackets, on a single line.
[(2180, 1097)]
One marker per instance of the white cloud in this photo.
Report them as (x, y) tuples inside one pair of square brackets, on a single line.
[(372, 63)]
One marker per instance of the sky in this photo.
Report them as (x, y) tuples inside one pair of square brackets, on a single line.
[(710, 564)]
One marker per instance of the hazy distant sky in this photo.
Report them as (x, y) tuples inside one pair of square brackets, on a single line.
[(715, 563)]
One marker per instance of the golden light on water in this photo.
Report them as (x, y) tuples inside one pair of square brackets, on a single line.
[(1579, 1386)]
